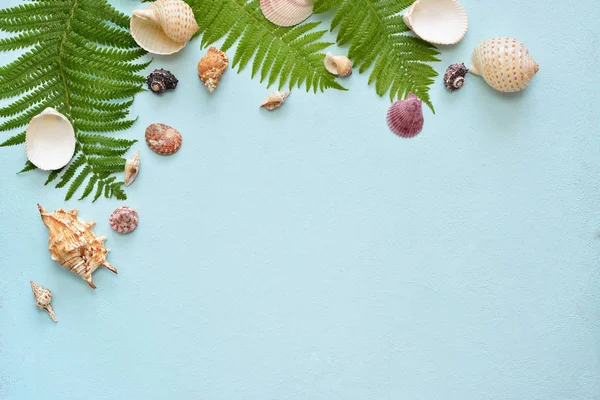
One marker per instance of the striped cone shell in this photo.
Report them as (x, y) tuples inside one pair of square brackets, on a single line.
[(163, 139), (124, 219), (405, 117)]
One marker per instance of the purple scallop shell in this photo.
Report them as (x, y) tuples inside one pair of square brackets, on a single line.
[(405, 117)]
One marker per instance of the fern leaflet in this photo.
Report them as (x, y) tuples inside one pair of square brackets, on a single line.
[(80, 61), (377, 36), (283, 55)]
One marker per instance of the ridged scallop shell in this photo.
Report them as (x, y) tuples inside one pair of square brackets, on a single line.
[(43, 299), (132, 168), (163, 139), (164, 26), (405, 117), (211, 68), (274, 100), (438, 21), (286, 12), (338, 65), (124, 219), (73, 243), (50, 140), (504, 63)]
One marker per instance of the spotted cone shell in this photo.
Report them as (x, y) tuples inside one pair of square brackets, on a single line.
[(504, 63), (163, 139), (286, 12), (124, 219), (405, 117)]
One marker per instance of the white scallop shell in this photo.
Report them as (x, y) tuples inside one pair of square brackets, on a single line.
[(164, 26), (50, 140), (438, 21), (504, 63), (286, 12)]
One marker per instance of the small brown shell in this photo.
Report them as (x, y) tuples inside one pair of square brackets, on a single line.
[(124, 219), (454, 78), (163, 139), (211, 68)]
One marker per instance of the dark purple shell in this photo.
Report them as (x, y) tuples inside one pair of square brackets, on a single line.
[(405, 117)]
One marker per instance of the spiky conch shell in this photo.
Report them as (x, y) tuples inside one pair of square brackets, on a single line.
[(504, 63), (43, 299), (164, 26), (211, 68), (74, 245), (405, 117)]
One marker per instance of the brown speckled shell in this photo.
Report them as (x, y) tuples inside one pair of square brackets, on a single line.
[(454, 78), (211, 68), (163, 139), (124, 219)]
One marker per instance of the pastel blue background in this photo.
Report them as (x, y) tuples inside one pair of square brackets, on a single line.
[(309, 253)]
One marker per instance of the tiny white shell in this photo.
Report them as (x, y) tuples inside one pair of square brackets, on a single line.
[(438, 21), (286, 12), (164, 26), (132, 168), (338, 65), (50, 140)]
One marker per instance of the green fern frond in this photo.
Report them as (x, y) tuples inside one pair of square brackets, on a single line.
[(80, 60), (283, 55), (378, 36)]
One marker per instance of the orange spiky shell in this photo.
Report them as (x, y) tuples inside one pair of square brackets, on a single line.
[(72, 243), (211, 68)]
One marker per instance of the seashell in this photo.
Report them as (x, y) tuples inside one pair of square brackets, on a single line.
[(132, 168), (286, 12), (160, 80), (163, 139), (454, 78), (338, 65), (124, 219), (438, 21), (43, 299), (211, 68), (50, 140), (164, 26), (405, 117), (274, 100), (504, 63), (74, 245)]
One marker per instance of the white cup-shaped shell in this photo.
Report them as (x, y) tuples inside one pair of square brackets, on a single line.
[(504, 63), (50, 140), (438, 21), (286, 12), (164, 26)]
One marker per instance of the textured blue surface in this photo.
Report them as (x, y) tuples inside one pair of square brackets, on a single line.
[(309, 253)]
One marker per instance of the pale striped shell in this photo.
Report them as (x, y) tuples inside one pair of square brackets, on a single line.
[(164, 26), (163, 139), (286, 12), (405, 117), (504, 63), (43, 299), (124, 219)]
